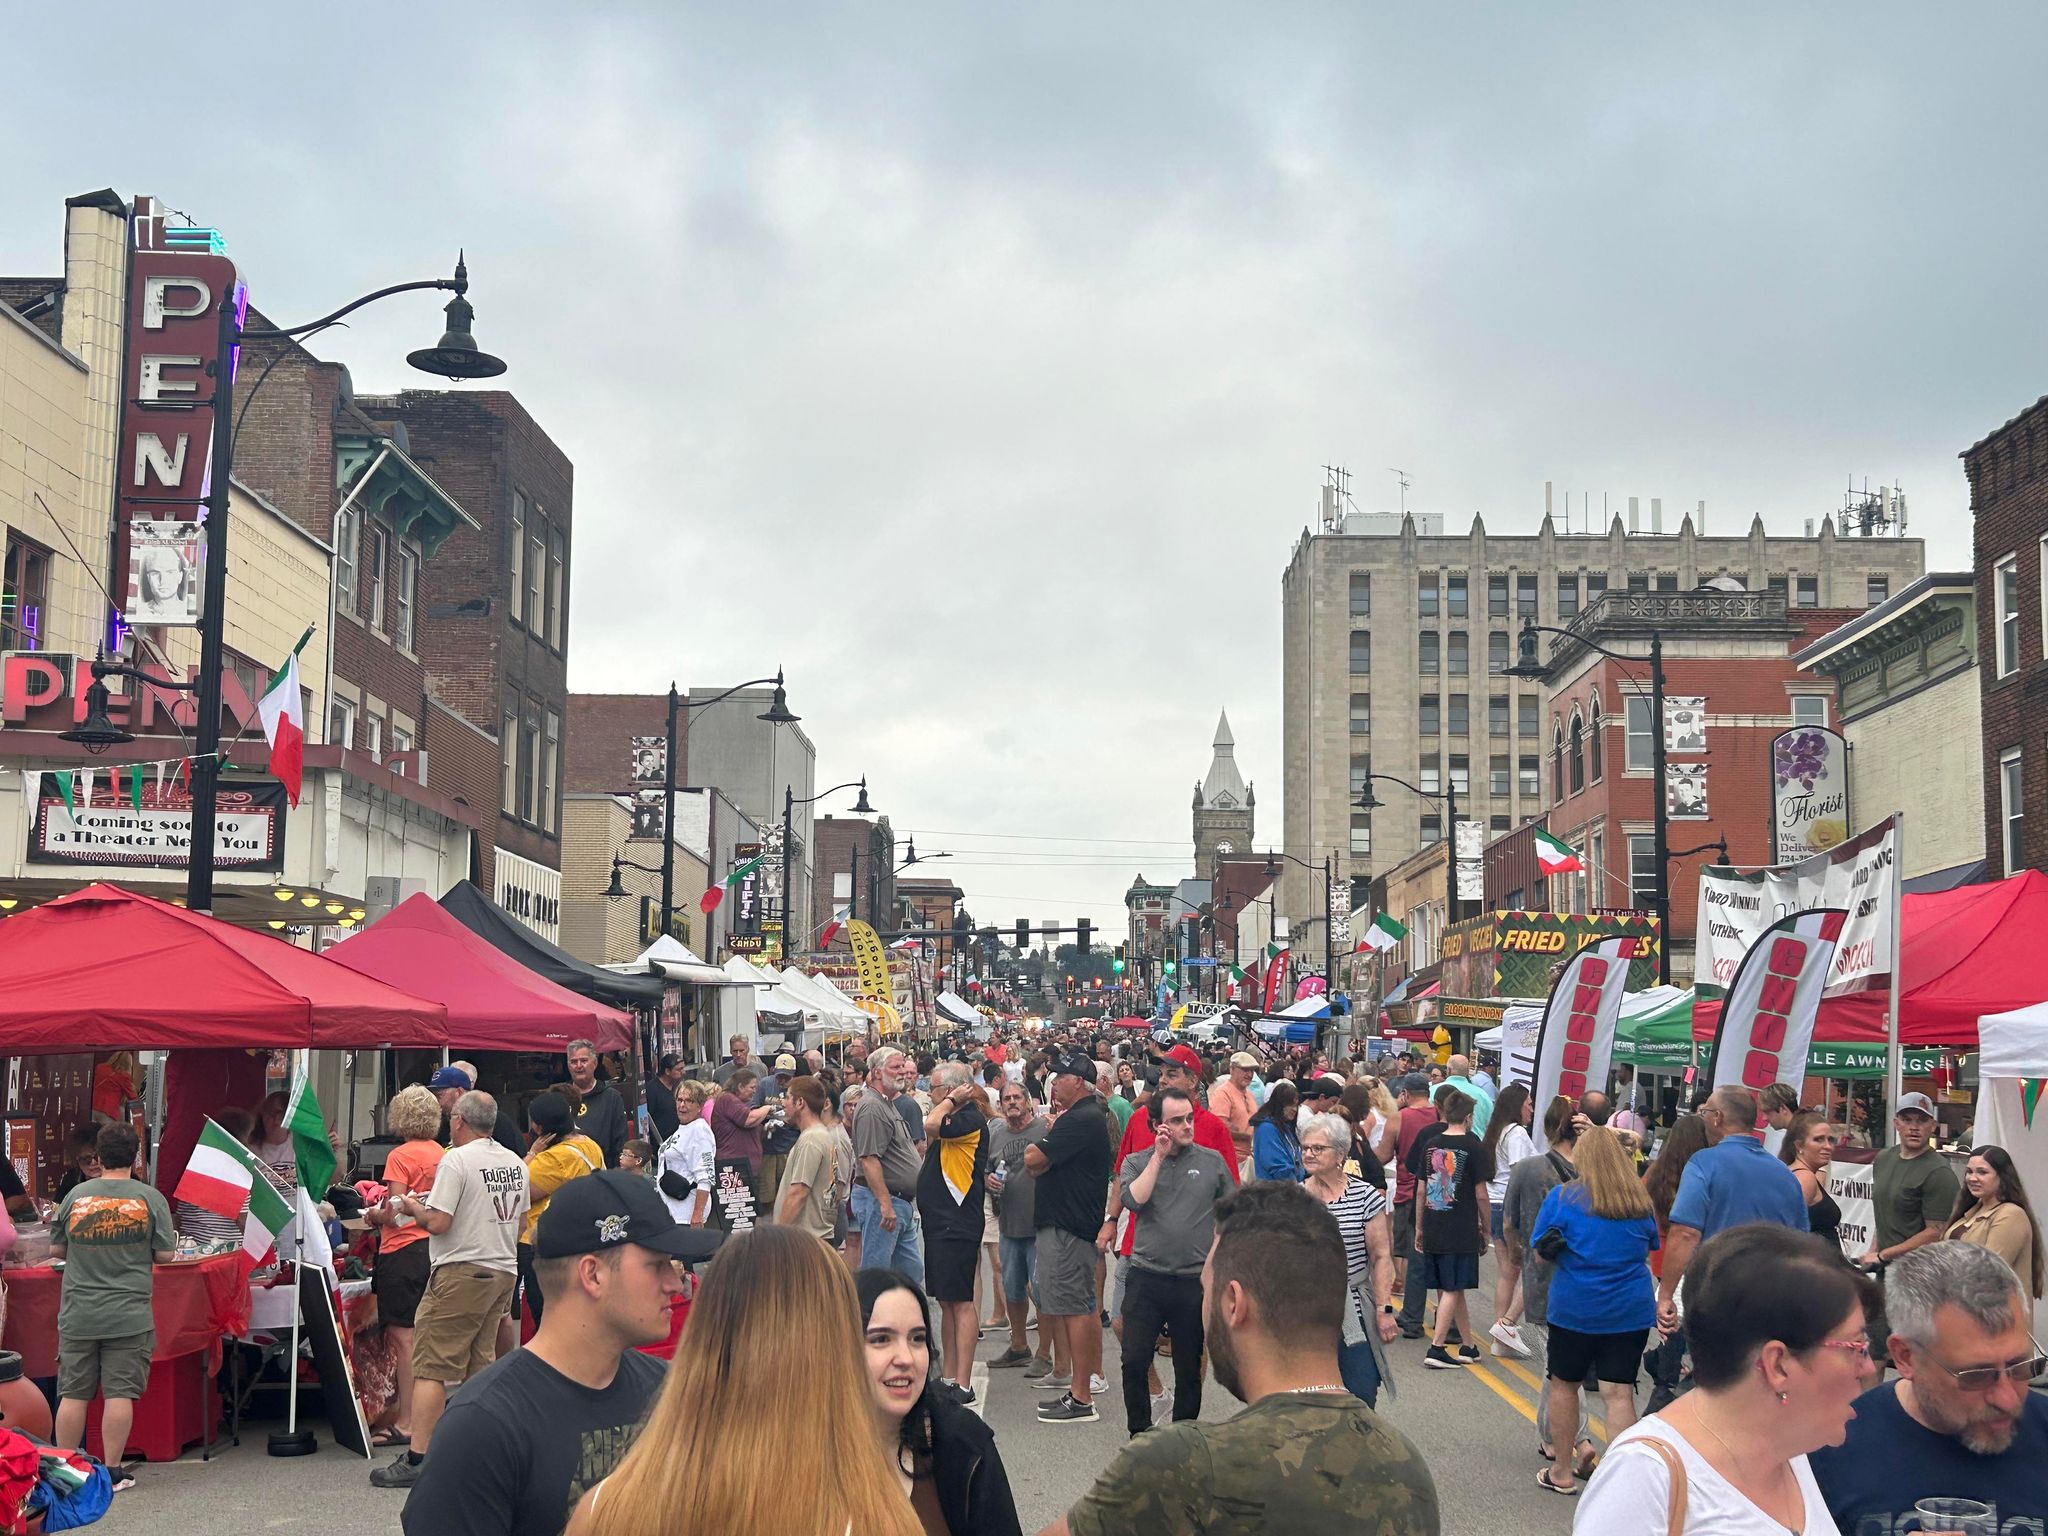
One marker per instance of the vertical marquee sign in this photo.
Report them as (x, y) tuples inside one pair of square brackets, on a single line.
[(746, 912), (1576, 1045), (1766, 1026)]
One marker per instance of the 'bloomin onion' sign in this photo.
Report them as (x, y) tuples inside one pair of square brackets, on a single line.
[(1577, 1043), (1767, 1018)]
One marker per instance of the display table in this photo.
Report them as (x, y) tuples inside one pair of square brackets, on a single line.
[(195, 1303)]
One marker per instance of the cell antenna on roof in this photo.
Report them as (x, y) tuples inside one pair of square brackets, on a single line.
[(1401, 475)]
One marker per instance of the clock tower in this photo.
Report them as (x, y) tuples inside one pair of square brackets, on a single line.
[(1224, 807)]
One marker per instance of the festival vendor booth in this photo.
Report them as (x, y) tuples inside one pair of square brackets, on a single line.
[(2011, 1073), (689, 995), (104, 969)]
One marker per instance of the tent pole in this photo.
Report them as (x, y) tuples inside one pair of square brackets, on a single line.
[(1894, 1054), (294, 1442)]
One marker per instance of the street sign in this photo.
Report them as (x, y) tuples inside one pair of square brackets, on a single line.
[(1199, 960)]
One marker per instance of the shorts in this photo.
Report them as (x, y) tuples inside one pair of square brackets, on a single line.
[(1020, 1267), (1449, 1271), (1066, 1273), (949, 1267), (991, 1229), (1404, 1230), (117, 1368), (1574, 1356), (398, 1282), (455, 1331), (1120, 1269), (1498, 1213)]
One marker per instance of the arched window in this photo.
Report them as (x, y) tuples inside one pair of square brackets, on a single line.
[(1578, 753), (1596, 738), (1556, 761)]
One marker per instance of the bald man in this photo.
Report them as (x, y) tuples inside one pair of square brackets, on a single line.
[(1733, 1180)]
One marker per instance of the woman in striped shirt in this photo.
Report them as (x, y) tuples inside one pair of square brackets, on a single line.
[(1360, 1208)]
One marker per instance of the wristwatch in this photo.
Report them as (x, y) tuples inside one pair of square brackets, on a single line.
[(1389, 1309)]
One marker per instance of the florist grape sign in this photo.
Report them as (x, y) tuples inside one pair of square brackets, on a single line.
[(1809, 792)]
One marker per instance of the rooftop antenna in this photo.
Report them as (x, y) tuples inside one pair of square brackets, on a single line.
[(1401, 475)]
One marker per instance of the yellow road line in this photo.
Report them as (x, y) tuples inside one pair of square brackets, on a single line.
[(1507, 1393), (1523, 1373)]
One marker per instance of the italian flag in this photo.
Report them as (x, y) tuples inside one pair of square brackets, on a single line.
[(223, 1177), (832, 928), (711, 898), (283, 714), (1384, 934), (310, 1146), (1554, 857), (907, 943)]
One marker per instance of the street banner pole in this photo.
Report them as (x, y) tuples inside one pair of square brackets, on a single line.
[(1895, 1056)]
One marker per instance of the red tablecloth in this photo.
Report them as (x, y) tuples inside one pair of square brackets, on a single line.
[(195, 1304)]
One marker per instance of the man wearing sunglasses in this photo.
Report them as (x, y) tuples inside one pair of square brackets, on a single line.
[(1960, 1422)]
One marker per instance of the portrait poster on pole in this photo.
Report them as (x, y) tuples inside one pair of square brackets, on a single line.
[(1576, 1044), (165, 563), (1766, 1025)]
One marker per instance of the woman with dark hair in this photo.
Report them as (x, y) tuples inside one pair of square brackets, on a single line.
[(1276, 1149), (1508, 1139), (944, 1455), (1780, 1353), (1127, 1087), (1809, 1148), (1992, 1212), (1687, 1135)]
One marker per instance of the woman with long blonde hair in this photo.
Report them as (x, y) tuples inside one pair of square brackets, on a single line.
[(1598, 1231), (774, 1337)]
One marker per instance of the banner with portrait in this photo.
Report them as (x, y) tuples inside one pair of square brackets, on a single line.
[(1576, 1044), (1766, 1024), (165, 564)]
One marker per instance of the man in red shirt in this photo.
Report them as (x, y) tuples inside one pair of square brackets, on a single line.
[(1418, 1114)]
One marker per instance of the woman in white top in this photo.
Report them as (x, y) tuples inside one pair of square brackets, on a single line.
[(686, 1167), (1776, 1325), (1508, 1139)]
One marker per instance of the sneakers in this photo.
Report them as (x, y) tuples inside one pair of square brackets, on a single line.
[(1097, 1385), (1162, 1405), (1010, 1358), (1465, 1353), (1065, 1410), (1038, 1369), (1440, 1359), (400, 1472), (1057, 1381), (1507, 1340), (959, 1394), (1411, 1333)]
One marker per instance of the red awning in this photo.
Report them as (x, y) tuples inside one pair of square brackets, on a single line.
[(1963, 953), (105, 969), (1132, 1021), (494, 1003)]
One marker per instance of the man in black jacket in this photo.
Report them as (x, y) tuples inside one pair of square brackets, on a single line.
[(661, 1098), (602, 1115)]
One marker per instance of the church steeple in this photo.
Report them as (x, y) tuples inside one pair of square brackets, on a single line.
[(1224, 788), (1223, 805)]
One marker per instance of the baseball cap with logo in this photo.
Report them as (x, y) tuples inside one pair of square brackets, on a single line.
[(1183, 1056), (450, 1077), (1074, 1064), (1323, 1087), (612, 1207), (785, 1062), (1915, 1103)]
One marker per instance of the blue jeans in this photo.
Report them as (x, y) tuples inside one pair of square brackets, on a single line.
[(1020, 1267), (1357, 1369), (882, 1249)]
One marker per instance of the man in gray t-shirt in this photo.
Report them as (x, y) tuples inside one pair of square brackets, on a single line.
[(885, 1182), (1015, 1192)]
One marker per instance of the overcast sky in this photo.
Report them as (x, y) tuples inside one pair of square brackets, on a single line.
[(977, 363)]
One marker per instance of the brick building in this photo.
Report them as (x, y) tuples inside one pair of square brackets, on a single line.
[(599, 737), (854, 861), (2008, 473)]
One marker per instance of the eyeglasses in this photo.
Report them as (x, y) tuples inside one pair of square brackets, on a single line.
[(1982, 1378), (1317, 1146), (1855, 1346)]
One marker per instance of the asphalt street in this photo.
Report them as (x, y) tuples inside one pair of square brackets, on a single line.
[(1475, 1426)]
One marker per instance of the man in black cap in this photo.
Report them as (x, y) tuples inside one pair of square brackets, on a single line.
[(523, 1439), (1072, 1166)]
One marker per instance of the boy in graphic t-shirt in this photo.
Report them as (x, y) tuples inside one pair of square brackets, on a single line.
[(1451, 1168)]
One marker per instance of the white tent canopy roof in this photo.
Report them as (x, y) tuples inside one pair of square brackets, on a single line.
[(2013, 1044)]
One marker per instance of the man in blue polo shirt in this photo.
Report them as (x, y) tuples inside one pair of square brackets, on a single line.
[(1730, 1183)]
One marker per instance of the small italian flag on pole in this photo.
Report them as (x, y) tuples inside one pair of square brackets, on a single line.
[(831, 929), (1554, 857), (283, 714), (711, 898), (1384, 934), (223, 1177)]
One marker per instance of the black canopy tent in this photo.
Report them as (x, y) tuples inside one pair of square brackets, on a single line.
[(499, 928)]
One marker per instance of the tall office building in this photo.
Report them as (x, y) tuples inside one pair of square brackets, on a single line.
[(1396, 634)]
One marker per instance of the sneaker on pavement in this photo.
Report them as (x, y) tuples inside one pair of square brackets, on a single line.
[(1411, 1333), (1465, 1353), (1507, 1340), (1065, 1410), (1097, 1385), (1440, 1359), (1058, 1381), (1011, 1358), (1039, 1368), (1162, 1405), (400, 1472)]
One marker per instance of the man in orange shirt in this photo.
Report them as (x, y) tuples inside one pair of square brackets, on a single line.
[(1231, 1101)]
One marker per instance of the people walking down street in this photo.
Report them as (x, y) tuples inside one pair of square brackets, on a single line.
[(600, 1112), (1305, 1456), (474, 1216), (1230, 1098), (1359, 1205), (1458, 1077), (808, 1198), (1687, 1136), (1072, 1165), (686, 1164), (399, 1278), (1960, 1422), (520, 1443), (661, 1098), (1732, 1182), (945, 1456), (1508, 1139), (889, 1166), (736, 1122), (951, 1200), (1119, 1107), (556, 1152), (1993, 1212), (1012, 1192), (1776, 1324), (1452, 1169), (1529, 1185), (1171, 1189), (1276, 1147), (739, 1056), (1778, 1103), (1807, 1147), (1417, 1115), (1913, 1194), (778, 1134), (1598, 1231), (774, 1339)]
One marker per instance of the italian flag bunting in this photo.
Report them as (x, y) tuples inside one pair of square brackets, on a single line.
[(224, 1177), (1384, 934), (283, 714), (310, 1146), (1555, 857), (708, 902)]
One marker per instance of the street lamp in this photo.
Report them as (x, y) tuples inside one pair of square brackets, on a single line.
[(1528, 667), (1368, 801), (616, 891), (1329, 927), (789, 804), (875, 877)]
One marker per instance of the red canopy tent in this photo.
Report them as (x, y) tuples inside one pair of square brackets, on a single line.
[(1962, 953), (105, 969), (494, 1003)]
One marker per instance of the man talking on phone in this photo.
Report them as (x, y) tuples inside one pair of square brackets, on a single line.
[(1171, 1189)]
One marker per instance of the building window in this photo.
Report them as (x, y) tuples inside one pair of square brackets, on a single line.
[(1642, 871), (1806, 592), (1431, 716), (1496, 597), (1361, 595), (529, 774), (1497, 822), (1497, 715), (550, 769), (1557, 764), (1597, 748), (536, 571), (408, 596), (1529, 771), (1361, 714), (1429, 777), (348, 541), (508, 746), (1432, 831), (1361, 651), (1458, 658), (2005, 593), (1875, 590), (1428, 652), (1456, 604), (1361, 836), (1461, 774), (1596, 587), (518, 564), (1461, 714), (1567, 597), (1667, 581), (1361, 775), (2012, 812), (558, 559), (1810, 709), (373, 571), (401, 739), (1578, 753), (1496, 653), (1497, 775), (1639, 751), (1525, 596), (25, 595), (1775, 586), (1527, 712), (341, 724), (373, 737), (1639, 581), (1425, 596)]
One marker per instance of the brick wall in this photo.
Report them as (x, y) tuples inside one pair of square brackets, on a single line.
[(601, 728), (835, 838), (2008, 474), (460, 757)]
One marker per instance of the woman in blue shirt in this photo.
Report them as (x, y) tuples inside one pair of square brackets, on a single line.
[(1598, 1231), (1276, 1150)]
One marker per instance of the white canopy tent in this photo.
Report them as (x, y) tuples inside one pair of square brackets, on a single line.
[(670, 957), (830, 1011), (2012, 1052), (958, 1009)]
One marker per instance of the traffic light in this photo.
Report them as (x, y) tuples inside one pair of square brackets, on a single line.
[(1081, 932), (1172, 955), (1117, 965), (1023, 934)]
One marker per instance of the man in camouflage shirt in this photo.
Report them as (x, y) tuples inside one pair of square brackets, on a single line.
[(1305, 1456)]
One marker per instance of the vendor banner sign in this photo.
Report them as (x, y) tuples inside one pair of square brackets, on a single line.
[(871, 964), (1515, 954), (1809, 792), (1577, 1042), (1856, 876), (145, 824), (1766, 1023)]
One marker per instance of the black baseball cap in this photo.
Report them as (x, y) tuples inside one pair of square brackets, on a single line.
[(612, 1207), (1074, 1065)]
